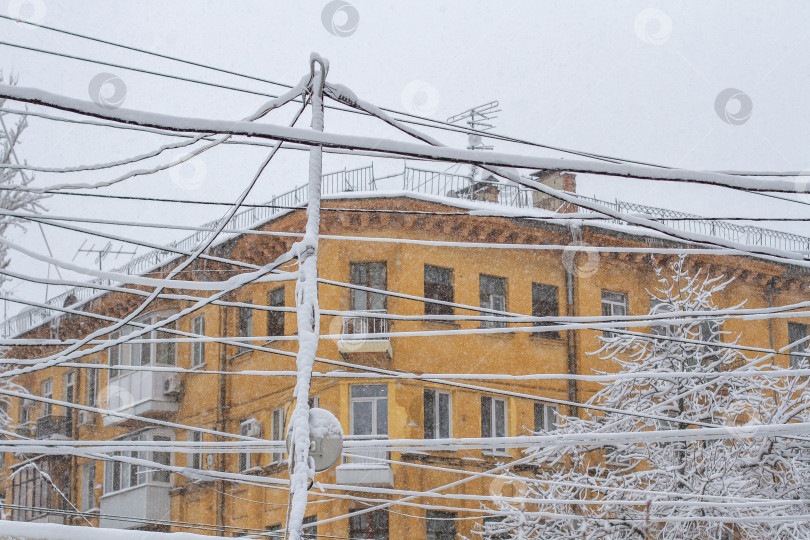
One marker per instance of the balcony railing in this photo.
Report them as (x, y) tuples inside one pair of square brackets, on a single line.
[(364, 325), (54, 427)]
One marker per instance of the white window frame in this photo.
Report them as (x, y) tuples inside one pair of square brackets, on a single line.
[(493, 423), (614, 304), (549, 416), (437, 394), (373, 400), (195, 454), (492, 301), (277, 422), (198, 347), (128, 354), (124, 471)]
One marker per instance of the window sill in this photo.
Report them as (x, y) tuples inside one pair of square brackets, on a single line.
[(200, 367)]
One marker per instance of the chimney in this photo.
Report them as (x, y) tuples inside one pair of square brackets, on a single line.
[(561, 181)]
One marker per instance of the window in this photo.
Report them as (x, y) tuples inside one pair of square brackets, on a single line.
[(545, 304), (275, 319), (310, 527), (369, 409), (277, 432), (493, 420), (245, 325), (438, 286), (25, 412), (114, 354), (613, 305), (441, 525), (119, 475), (371, 525), (492, 290), (797, 332), (545, 417), (47, 393), (198, 347), (437, 414), (194, 459), (69, 393), (88, 486), (92, 387), (372, 275), (144, 354)]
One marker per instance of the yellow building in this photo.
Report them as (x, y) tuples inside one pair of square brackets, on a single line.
[(418, 245)]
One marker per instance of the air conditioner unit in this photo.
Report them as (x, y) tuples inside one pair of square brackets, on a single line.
[(252, 428), (209, 462), (86, 418), (171, 385)]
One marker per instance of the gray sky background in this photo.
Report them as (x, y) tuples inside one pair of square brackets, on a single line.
[(637, 80)]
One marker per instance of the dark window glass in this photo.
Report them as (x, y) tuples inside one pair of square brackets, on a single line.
[(441, 525), (494, 530), (371, 525), (437, 414), (245, 325), (310, 530), (438, 286), (275, 319), (797, 332), (545, 303)]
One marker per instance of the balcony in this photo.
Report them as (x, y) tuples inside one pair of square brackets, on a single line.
[(364, 339), (54, 427), (365, 467), (139, 504), (142, 393)]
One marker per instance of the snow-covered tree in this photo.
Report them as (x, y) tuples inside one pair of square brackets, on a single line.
[(734, 487), (12, 199)]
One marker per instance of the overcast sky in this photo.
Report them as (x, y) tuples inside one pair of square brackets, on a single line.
[(637, 80)]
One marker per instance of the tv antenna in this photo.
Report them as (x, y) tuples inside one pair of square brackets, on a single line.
[(103, 252), (479, 118)]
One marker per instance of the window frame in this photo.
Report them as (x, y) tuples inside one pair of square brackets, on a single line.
[(46, 391), (353, 400), (277, 425), (88, 489), (198, 347), (548, 416), (244, 460), (118, 476), (368, 282), (493, 400), (132, 354), (492, 300), (619, 302), (435, 397)]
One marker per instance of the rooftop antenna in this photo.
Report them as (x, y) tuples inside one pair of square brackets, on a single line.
[(103, 252), (479, 118)]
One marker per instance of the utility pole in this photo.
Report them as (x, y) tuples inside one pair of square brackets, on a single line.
[(479, 119), (307, 310)]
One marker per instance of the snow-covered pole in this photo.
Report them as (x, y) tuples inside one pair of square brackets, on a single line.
[(306, 302)]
